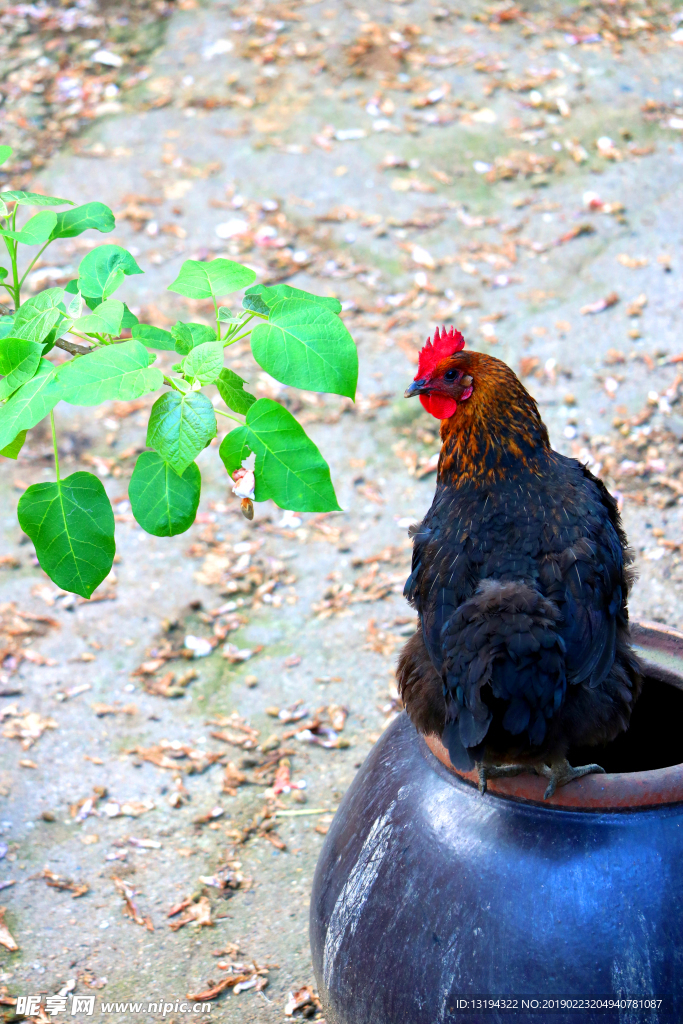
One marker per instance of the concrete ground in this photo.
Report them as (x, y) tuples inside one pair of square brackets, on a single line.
[(282, 116)]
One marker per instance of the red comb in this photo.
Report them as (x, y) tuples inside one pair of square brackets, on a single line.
[(445, 344)]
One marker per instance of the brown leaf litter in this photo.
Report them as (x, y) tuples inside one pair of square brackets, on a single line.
[(196, 912), (130, 908), (6, 938), (65, 884), (241, 977), (17, 630), (26, 726)]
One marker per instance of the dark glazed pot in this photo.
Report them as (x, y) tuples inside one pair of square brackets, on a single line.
[(427, 893)]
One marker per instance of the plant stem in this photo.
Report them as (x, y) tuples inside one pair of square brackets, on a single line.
[(231, 341), (54, 443), (68, 346), (218, 323), (12, 289), (228, 416), (13, 246), (33, 262)]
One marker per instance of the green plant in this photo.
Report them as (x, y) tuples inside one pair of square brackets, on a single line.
[(296, 337)]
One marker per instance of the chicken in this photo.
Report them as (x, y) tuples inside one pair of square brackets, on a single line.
[(520, 577)]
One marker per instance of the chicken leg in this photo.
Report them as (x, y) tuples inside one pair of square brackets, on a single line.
[(559, 773)]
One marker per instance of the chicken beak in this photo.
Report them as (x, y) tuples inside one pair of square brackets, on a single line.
[(414, 389)]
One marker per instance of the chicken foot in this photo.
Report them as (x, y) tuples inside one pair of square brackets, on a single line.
[(499, 771), (558, 773)]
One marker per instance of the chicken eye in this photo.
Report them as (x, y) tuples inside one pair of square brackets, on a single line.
[(450, 375)]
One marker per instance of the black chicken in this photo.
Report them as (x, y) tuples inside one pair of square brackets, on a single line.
[(520, 577)]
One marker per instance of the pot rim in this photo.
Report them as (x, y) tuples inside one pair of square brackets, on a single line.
[(625, 791)]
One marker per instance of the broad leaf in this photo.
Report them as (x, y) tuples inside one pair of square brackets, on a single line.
[(289, 468), (61, 328), (180, 426), (270, 294), (36, 231), (105, 319), (153, 337), (255, 303), (3, 273), (163, 503), (74, 307), (120, 372), (37, 316), (188, 336), (71, 524), (6, 326), (19, 360), (11, 451), (205, 280), (27, 406), (90, 215), (307, 346), (5, 153), (204, 362), (129, 319), (231, 389), (102, 271), (33, 199)]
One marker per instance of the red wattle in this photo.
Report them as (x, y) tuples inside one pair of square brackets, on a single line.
[(439, 406)]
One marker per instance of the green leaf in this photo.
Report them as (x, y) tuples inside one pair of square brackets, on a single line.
[(289, 468), (129, 319), (27, 406), (71, 524), (206, 280), (225, 315), (105, 319), (204, 362), (74, 307), (103, 270), (62, 327), (6, 326), (270, 294), (153, 337), (35, 231), (231, 389), (255, 303), (90, 215), (5, 153), (19, 360), (11, 450), (3, 273), (307, 346), (188, 336), (33, 199), (37, 316), (120, 372), (180, 426), (163, 503)]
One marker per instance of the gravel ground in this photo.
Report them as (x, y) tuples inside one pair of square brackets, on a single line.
[(425, 165)]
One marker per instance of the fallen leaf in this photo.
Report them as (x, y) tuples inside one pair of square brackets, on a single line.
[(6, 938)]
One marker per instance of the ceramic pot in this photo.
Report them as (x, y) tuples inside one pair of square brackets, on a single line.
[(429, 898)]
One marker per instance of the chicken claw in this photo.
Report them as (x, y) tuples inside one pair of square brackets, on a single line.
[(559, 773), (499, 771)]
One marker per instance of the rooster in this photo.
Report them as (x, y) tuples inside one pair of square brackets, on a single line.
[(520, 577)]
